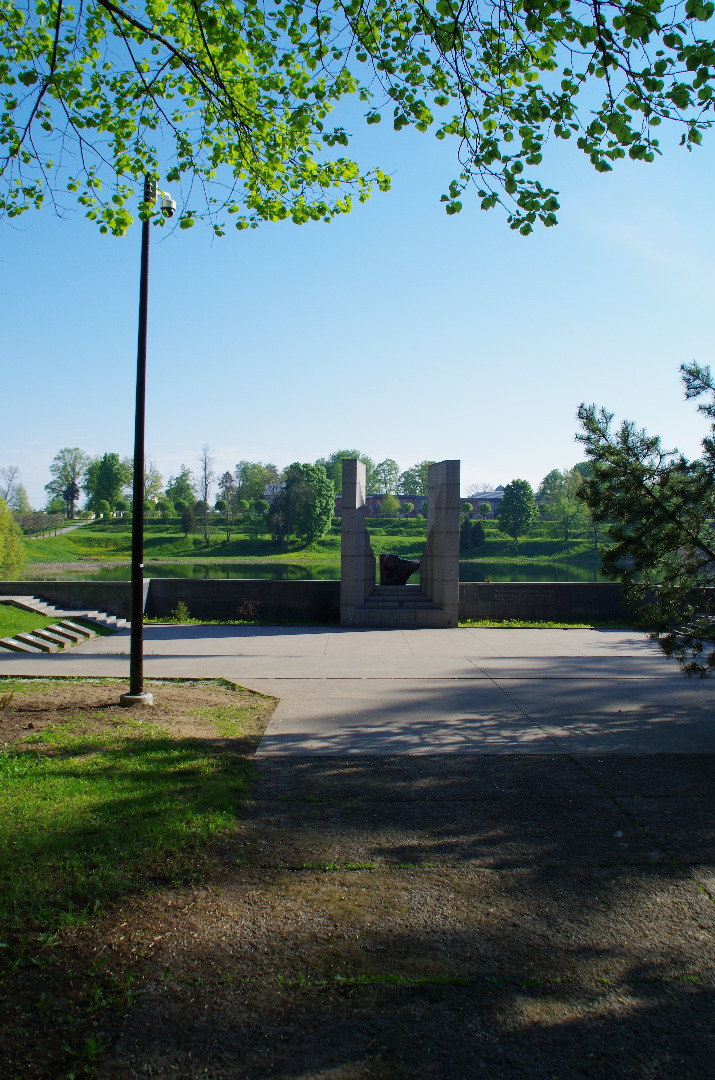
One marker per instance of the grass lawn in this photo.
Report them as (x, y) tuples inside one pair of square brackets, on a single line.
[(91, 810), (103, 541), (97, 800), (535, 624), (98, 804)]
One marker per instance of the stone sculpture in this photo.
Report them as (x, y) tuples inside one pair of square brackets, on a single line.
[(395, 570), (393, 603)]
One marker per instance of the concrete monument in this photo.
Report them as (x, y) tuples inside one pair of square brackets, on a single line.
[(435, 601)]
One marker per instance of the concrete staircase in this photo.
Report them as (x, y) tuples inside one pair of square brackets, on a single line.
[(63, 633), (407, 597)]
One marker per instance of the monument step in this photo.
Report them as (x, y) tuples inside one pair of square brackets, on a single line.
[(400, 618), (401, 597), (398, 592), (367, 606)]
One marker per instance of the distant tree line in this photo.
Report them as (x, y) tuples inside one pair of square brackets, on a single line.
[(292, 504), (382, 477)]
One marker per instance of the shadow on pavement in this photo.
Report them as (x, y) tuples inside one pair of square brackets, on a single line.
[(506, 917)]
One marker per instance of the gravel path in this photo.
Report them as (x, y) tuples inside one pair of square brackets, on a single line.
[(512, 916)]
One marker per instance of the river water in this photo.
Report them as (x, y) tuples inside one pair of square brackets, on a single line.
[(284, 571)]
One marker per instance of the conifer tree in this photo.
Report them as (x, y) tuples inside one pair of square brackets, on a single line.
[(661, 510)]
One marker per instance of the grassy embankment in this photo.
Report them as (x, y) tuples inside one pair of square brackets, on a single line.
[(111, 541), (15, 620)]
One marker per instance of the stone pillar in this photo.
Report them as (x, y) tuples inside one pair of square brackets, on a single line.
[(439, 567), (357, 562)]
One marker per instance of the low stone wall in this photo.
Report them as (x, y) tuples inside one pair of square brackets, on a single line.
[(319, 601), (547, 601), (234, 598)]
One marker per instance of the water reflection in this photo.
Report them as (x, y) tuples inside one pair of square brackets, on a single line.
[(327, 571), (519, 571), (268, 571)]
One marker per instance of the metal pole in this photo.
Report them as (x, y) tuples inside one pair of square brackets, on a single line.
[(137, 695)]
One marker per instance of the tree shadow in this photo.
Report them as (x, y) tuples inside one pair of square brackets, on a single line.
[(529, 944)]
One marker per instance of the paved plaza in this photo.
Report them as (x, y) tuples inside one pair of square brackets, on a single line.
[(388, 692)]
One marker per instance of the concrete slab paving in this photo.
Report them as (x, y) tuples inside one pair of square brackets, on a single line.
[(397, 716), (470, 690), (568, 642)]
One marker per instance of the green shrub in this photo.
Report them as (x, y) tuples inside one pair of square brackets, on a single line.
[(181, 613), (12, 552)]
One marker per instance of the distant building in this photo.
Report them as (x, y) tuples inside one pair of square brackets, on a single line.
[(493, 498)]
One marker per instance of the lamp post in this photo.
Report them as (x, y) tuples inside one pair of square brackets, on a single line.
[(137, 694)]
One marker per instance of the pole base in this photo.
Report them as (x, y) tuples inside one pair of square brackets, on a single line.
[(128, 701)]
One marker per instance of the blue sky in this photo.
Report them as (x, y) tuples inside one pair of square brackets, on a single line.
[(397, 329)]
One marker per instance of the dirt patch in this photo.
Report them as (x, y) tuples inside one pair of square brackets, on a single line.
[(180, 708), (501, 917)]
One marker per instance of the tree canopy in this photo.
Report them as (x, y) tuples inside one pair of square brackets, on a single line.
[(8, 481), (252, 478), (236, 98), (661, 513), (304, 508), (153, 481), (390, 506), (104, 479), (67, 470), (182, 488), (471, 534), (560, 492), (413, 481), (333, 465), (383, 477), (517, 509)]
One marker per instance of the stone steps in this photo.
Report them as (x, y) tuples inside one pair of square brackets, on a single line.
[(68, 627), (71, 637), (400, 597), (54, 639), (34, 603), (62, 634), (37, 642), (14, 645)]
